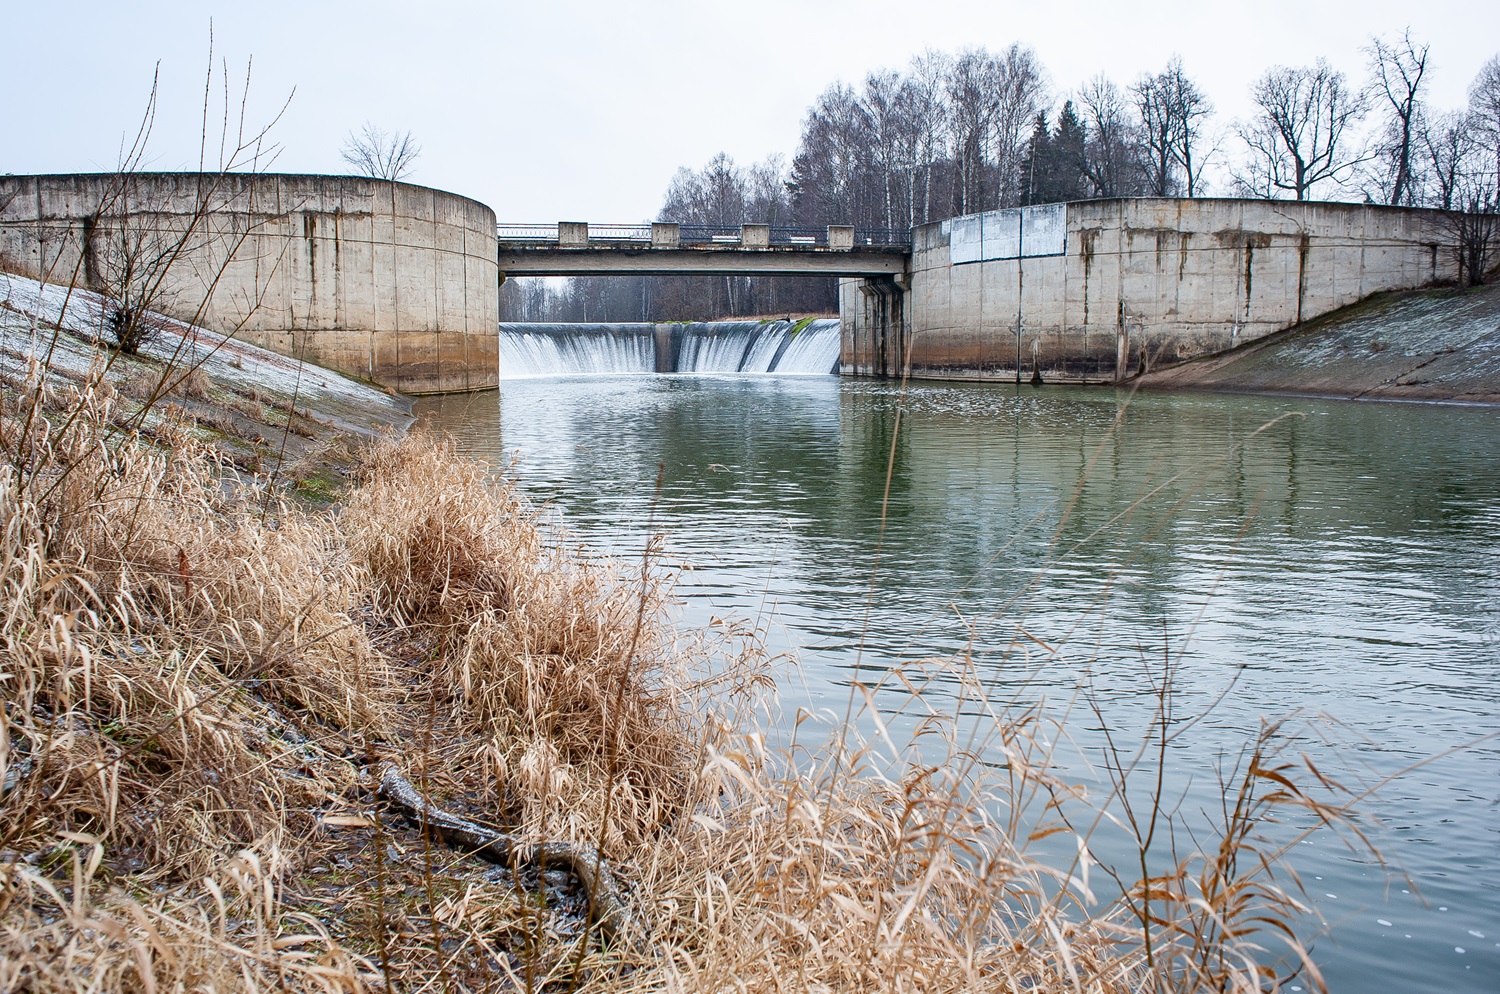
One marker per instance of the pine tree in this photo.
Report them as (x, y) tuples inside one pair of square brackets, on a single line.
[(1069, 167), (1036, 166)]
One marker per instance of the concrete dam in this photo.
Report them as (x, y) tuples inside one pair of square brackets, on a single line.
[(388, 282), (1099, 291), (399, 284)]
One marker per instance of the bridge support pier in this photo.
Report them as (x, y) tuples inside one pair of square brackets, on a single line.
[(875, 331), (666, 359)]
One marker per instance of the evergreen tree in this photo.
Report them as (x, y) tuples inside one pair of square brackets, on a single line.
[(1055, 168), (1069, 167), (1038, 160)]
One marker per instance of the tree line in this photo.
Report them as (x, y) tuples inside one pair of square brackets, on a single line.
[(959, 133)]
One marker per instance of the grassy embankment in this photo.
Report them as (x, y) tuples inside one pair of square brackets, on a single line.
[(201, 675), (1420, 345)]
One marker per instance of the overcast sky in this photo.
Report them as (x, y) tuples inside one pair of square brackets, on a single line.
[(582, 110)]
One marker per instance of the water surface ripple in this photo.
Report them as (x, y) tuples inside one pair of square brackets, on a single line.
[(1327, 557)]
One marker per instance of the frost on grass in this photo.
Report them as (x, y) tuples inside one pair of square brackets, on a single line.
[(31, 311)]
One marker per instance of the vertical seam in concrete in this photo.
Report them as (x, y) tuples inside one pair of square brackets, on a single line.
[(434, 322), (374, 286), (395, 286), (1122, 334), (1362, 246), (463, 262), (1036, 354)]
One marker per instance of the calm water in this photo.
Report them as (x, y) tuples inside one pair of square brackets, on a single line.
[(1326, 557)]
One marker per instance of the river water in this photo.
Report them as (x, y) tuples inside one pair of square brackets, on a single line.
[(1330, 559)]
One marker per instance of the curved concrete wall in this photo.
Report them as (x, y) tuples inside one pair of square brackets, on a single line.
[(388, 282), (1134, 281)]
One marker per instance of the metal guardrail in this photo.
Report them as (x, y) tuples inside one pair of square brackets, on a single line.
[(620, 232), (527, 232), (709, 234), (883, 237), (698, 234), (788, 235)]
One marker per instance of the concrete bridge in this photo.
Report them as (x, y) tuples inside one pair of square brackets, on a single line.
[(575, 248)]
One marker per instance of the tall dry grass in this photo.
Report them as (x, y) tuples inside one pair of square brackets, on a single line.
[(559, 669), (198, 677)]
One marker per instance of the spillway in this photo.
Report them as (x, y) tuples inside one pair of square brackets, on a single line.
[(780, 347)]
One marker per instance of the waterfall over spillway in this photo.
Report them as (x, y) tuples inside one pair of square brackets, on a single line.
[(782, 347), (552, 349)]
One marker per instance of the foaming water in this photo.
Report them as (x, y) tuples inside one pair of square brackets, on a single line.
[(548, 350), (1313, 556), (782, 347)]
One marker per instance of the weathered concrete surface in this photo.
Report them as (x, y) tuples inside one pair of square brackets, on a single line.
[(1137, 283), (389, 282), (1436, 345)]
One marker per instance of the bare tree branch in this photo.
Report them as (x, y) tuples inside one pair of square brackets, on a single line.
[(1172, 111), (374, 153), (1301, 136), (1396, 70)]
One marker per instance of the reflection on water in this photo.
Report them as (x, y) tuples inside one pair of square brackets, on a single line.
[(1319, 555)]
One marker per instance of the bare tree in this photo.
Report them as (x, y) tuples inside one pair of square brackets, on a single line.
[(766, 191), (714, 195), (1461, 156), (889, 124), (1484, 111), (1193, 108), (1448, 150), (1172, 111), (833, 155), (973, 82), (1110, 152), (146, 250), (723, 195), (1301, 135), (374, 153), (724, 191), (923, 99), (1396, 71), (1475, 223), (1020, 94)]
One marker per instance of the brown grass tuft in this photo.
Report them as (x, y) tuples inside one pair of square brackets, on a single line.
[(193, 384)]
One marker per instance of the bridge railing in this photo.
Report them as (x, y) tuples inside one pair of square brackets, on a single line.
[(527, 232), (882, 237), (789, 235), (699, 234), (620, 232)]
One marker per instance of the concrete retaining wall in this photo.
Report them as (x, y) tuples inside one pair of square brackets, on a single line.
[(388, 282), (1137, 283)]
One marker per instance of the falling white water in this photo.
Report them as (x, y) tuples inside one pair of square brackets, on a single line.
[(780, 347), (553, 349)]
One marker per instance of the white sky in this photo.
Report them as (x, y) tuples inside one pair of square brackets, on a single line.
[(583, 109)]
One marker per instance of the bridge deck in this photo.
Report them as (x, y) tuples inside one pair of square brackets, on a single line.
[(578, 249)]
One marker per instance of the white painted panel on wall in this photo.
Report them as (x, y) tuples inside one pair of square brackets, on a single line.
[(1044, 229), (1002, 234), (1008, 234), (964, 239)]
